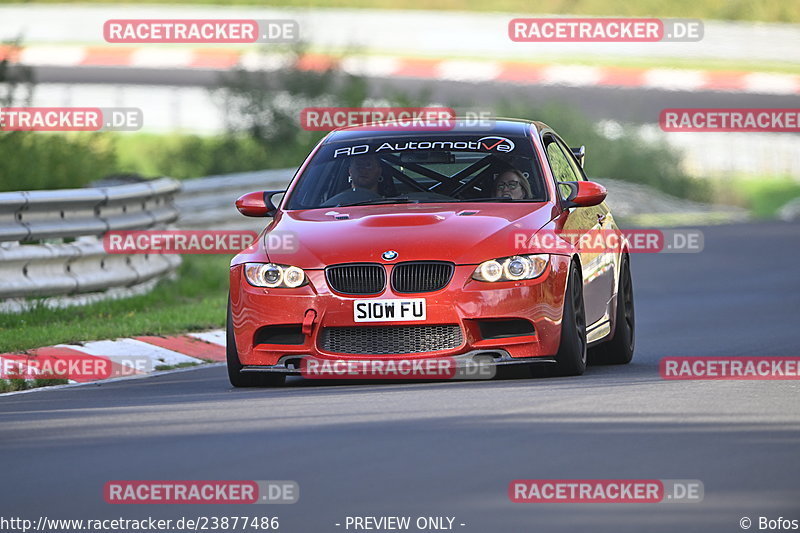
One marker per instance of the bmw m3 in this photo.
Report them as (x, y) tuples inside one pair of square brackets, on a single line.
[(405, 245)]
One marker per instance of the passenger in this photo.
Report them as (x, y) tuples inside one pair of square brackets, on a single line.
[(512, 184)]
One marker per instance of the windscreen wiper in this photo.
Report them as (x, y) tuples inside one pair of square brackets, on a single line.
[(378, 201), (504, 199)]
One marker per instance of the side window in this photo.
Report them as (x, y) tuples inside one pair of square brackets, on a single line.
[(571, 159), (559, 164)]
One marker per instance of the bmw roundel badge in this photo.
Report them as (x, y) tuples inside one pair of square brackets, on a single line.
[(389, 255)]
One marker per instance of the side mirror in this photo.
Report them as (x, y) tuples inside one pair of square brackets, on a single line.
[(580, 154), (257, 204), (584, 193)]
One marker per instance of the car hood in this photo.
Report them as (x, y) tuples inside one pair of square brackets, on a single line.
[(464, 233)]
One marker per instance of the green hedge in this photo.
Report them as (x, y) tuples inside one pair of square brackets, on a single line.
[(30, 161), (53, 161), (191, 156)]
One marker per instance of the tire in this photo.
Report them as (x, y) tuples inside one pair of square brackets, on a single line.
[(249, 379), (571, 356), (619, 349)]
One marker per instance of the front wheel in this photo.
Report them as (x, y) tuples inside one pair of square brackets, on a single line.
[(571, 357), (248, 379), (619, 350)]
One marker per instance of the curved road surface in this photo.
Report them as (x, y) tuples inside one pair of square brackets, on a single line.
[(451, 449)]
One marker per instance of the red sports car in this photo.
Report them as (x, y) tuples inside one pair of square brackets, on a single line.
[(417, 244)]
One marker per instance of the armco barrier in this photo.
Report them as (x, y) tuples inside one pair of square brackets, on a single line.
[(50, 241), (208, 202)]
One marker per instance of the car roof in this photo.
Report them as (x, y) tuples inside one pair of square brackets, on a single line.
[(497, 126)]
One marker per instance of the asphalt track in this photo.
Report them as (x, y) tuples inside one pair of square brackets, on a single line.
[(451, 449), (635, 105)]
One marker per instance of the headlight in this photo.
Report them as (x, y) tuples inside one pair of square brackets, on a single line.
[(512, 268), (272, 275)]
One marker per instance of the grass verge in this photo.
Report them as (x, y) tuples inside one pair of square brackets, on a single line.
[(764, 198), (777, 65), (13, 385), (174, 367), (708, 9)]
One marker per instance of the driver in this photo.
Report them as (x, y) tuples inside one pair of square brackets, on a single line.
[(365, 173), (365, 178)]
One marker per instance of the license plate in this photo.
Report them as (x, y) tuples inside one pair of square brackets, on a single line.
[(389, 310)]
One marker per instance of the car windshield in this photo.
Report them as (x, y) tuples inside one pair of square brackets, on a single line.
[(464, 168)]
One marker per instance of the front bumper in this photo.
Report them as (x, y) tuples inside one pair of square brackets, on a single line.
[(307, 311)]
